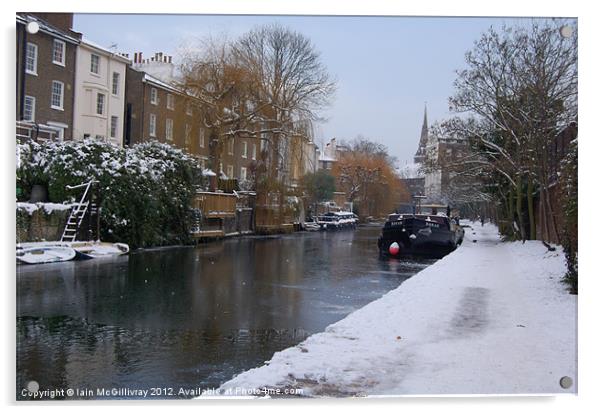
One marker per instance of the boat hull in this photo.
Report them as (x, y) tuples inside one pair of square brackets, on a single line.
[(45, 254), (417, 237)]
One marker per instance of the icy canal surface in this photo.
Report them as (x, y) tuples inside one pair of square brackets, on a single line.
[(192, 316)]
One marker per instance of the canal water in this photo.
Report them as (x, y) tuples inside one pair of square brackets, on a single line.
[(191, 316)]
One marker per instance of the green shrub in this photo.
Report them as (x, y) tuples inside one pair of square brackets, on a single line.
[(144, 191)]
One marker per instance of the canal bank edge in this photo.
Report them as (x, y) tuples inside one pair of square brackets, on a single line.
[(475, 322)]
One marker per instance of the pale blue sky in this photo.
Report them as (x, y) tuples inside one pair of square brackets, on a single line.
[(386, 67)]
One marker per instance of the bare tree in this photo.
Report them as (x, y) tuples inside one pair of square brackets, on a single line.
[(519, 89)]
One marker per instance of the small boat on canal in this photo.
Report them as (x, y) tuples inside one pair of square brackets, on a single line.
[(428, 235), (50, 252), (337, 220), (45, 254)]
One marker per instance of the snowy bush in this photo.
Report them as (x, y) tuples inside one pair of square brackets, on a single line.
[(144, 191)]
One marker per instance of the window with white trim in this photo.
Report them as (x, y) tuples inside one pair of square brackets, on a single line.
[(114, 124), (29, 108), (154, 96), (188, 108), (31, 59), (254, 151), (202, 138), (100, 104), (58, 52), (57, 95), (230, 172), (243, 173), (169, 129), (152, 125), (244, 149), (171, 102), (231, 146), (95, 64), (115, 84)]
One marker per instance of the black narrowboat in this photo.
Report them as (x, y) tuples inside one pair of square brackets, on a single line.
[(426, 235)]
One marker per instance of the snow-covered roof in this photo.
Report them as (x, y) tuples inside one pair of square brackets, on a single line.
[(326, 158), (87, 42), (151, 79)]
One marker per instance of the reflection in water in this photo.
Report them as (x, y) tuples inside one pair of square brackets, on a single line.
[(191, 316)]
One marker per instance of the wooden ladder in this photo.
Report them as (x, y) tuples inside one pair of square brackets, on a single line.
[(77, 213)]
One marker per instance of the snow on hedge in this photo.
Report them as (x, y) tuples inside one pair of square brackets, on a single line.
[(145, 190)]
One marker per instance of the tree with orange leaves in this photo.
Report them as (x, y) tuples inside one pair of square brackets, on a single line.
[(366, 173)]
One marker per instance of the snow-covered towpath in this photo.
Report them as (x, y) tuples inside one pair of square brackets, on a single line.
[(491, 317)]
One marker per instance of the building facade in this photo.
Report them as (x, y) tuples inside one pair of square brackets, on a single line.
[(46, 65), (156, 109), (100, 78)]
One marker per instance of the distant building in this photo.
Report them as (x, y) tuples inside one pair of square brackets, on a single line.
[(420, 155), (46, 62), (330, 154), (441, 154), (99, 93)]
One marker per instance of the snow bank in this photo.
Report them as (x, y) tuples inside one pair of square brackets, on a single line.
[(48, 207), (491, 317)]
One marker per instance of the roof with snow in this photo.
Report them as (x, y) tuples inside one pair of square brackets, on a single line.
[(87, 42)]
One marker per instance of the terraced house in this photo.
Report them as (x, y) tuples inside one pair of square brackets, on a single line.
[(46, 55), (156, 108), (99, 93)]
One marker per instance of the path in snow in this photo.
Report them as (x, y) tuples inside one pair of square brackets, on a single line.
[(491, 317)]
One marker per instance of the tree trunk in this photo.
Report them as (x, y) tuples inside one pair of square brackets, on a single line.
[(532, 230), (511, 205), (519, 206)]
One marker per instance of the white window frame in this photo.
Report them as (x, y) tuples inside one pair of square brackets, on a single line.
[(35, 59), (244, 149), (60, 128), (254, 152), (169, 129), (154, 96), (202, 137), (102, 102), (62, 95), (152, 125), (231, 146), (115, 85), (243, 173), (171, 102), (230, 171), (92, 56), (56, 42), (32, 118), (114, 126)]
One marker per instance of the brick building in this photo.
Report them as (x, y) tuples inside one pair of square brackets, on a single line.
[(45, 66), (157, 109)]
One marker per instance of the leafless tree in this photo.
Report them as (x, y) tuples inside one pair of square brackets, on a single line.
[(518, 90)]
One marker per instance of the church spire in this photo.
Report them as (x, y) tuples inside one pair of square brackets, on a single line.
[(424, 135)]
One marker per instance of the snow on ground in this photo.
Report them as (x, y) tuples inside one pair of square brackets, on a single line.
[(491, 317)]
